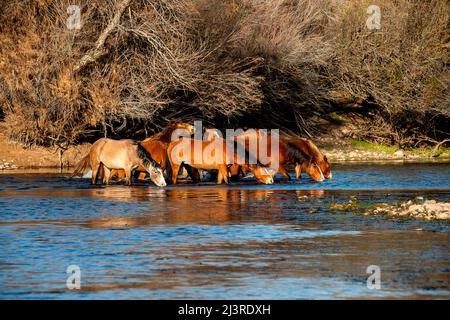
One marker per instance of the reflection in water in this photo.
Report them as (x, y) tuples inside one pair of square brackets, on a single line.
[(213, 242)]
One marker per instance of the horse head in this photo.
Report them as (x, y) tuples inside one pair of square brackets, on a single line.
[(313, 170), (152, 166), (263, 174), (325, 167), (156, 175), (314, 162), (320, 160)]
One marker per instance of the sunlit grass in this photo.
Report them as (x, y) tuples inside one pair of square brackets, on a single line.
[(373, 147)]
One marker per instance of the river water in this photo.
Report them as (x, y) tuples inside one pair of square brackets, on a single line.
[(242, 241)]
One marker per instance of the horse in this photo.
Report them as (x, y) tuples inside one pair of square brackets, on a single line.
[(125, 155), (165, 135), (315, 156), (177, 160), (290, 151), (156, 145)]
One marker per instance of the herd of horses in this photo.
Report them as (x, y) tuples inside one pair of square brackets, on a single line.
[(154, 156)]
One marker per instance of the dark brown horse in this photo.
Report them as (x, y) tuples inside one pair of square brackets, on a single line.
[(314, 156), (292, 150)]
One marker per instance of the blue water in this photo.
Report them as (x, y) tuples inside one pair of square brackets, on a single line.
[(226, 242)]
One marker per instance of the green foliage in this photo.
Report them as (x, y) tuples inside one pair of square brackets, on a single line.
[(365, 145)]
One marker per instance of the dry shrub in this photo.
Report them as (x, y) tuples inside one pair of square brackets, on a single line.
[(58, 83), (402, 69), (286, 40), (134, 64), (48, 99)]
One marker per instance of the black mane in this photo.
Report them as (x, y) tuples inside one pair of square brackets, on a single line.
[(146, 156)]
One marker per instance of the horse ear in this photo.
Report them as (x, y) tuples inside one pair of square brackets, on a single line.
[(325, 158)]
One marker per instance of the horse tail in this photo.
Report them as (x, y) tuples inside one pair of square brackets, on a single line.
[(146, 157), (81, 166)]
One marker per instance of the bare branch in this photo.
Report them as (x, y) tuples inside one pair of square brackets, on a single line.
[(98, 51)]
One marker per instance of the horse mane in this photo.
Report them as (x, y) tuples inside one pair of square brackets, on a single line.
[(166, 134), (296, 153), (316, 154), (146, 156)]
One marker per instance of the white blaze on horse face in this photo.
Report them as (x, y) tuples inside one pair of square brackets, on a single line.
[(269, 173), (320, 170), (157, 176)]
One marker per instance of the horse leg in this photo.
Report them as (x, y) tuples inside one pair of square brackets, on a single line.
[(283, 172), (244, 170), (112, 173), (142, 175), (120, 175), (95, 168), (233, 174), (175, 170), (193, 173), (223, 175), (106, 175), (298, 171), (219, 178), (128, 176)]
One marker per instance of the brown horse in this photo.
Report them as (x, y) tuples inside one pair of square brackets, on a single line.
[(126, 155), (157, 145), (312, 152), (185, 151), (290, 152)]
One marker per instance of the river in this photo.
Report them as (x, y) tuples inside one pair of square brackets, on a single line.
[(241, 241)]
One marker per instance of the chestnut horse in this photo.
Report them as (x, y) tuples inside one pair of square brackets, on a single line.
[(184, 151), (125, 155), (315, 156), (291, 151)]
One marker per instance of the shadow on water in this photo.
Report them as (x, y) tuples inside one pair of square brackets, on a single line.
[(207, 241)]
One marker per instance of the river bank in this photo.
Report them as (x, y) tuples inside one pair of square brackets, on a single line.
[(15, 156)]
